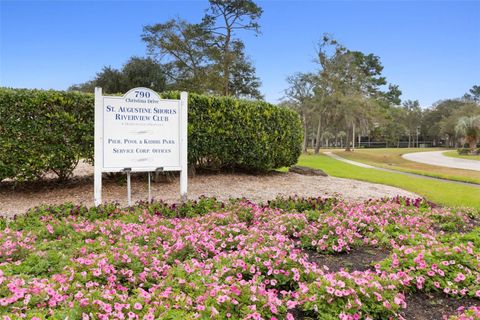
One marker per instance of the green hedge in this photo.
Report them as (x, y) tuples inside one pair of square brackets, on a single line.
[(230, 133), (43, 131)]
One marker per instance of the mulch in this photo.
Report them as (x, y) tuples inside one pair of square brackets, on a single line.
[(420, 305)]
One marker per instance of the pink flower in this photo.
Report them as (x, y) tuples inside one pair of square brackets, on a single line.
[(460, 277), (214, 311), (49, 228)]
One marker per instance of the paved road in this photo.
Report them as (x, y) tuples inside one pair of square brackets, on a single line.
[(437, 158)]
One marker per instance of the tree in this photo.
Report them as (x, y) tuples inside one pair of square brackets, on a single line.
[(137, 72), (144, 72), (222, 20), (393, 126), (412, 119), (327, 136), (111, 80), (341, 135), (351, 83), (448, 124), (243, 81), (206, 57), (184, 50), (392, 96), (300, 94), (469, 128), (474, 94), (439, 121)]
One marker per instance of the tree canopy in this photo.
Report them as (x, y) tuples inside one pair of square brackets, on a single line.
[(207, 57), (473, 94), (204, 57), (137, 72), (347, 91)]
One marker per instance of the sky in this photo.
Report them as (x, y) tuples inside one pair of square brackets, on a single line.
[(431, 49)]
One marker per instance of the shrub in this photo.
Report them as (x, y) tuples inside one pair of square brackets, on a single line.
[(467, 151), (43, 131), (226, 133), (301, 204)]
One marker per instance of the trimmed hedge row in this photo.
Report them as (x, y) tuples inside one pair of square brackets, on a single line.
[(49, 131), (42, 131)]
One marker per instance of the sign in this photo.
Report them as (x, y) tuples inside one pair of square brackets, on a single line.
[(140, 132)]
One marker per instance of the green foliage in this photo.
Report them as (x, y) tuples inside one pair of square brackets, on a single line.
[(302, 204), (137, 72), (347, 92), (44, 131), (208, 56), (469, 128), (234, 260), (225, 133), (451, 268), (190, 208), (473, 94), (465, 153)]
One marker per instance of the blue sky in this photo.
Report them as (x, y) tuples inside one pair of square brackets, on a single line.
[(430, 49)]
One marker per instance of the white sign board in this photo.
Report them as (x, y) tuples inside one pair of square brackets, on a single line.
[(140, 132)]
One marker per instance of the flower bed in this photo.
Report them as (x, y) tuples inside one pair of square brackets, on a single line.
[(237, 260)]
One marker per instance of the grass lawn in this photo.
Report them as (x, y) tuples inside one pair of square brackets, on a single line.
[(454, 154), (391, 158), (444, 193)]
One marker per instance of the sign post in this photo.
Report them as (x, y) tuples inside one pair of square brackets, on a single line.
[(140, 132), (183, 146)]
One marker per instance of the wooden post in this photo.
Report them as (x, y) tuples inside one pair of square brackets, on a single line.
[(98, 149)]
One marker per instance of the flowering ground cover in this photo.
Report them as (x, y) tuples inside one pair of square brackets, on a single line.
[(240, 260)]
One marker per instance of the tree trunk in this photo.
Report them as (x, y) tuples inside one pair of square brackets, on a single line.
[(348, 139), (319, 133), (226, 63), (305, 137), (472, 143), (353, 137), (409, 138)]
